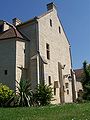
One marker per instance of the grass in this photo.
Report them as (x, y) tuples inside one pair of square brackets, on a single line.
[(60, 112)]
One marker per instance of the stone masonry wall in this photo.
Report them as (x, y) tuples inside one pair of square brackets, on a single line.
[(59, 52)]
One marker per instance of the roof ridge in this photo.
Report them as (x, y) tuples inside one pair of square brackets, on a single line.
[(15, 32), (35, 18), (10, 33)]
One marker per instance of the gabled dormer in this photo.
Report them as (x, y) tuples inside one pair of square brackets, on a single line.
[(3, 26)]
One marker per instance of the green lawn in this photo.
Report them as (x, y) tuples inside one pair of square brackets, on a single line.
[(61, 112)]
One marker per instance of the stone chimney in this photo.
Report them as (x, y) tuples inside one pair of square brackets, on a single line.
[(16, 21), (51, 6), (3, 26)]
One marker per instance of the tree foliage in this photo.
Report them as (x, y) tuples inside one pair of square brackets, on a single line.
[(43, 95), (86, 81)]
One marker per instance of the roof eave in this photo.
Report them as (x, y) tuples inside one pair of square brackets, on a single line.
[(29, 21)]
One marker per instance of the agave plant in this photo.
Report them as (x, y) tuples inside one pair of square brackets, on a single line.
[(24, 93)]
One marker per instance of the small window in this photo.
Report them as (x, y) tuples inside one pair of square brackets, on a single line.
[(1, 28), (80, 93), (47, 46), (59, 29), (67, 92), (48, 55), (54, 91), (50, 22), (48, 51), (67, 85), (5, 72), (49, 80), (56, 84), (24, 50)]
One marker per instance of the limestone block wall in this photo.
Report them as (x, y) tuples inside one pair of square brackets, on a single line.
[(20, 59), (5, 27), (30, 31), (59, 52), (79, 86), (7, 62)]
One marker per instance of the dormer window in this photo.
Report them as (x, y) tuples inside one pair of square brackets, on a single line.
[(50, 22), (1, 28)]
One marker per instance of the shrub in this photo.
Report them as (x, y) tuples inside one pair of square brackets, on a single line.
[(43, 95), (5, 95)]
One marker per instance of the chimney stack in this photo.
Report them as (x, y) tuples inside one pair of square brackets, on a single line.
[(16, 21), (51, 6)]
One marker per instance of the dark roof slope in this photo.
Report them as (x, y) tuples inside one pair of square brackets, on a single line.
[(79, 74), (10, 33)]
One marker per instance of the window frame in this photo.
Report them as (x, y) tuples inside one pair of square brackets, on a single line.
[(67, 92), (49, 80), (48, 51), (59, 29), (66, 85), (5, 72), (51, 22), (55, 91)]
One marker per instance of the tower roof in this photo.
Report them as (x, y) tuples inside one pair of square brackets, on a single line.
[(11, 33)]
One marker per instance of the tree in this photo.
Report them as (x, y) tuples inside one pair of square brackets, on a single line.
[(6, 95), (43, 95), (86, 81), (24, 93)]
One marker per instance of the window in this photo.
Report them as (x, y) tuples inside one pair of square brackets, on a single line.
[(54, 91), (56, 84), (67, 85), (50, 22), (1, 28), (80, 93), (24, 50), (48, 51), (59, 29), (67, 92), (49, 80), (5, 72)]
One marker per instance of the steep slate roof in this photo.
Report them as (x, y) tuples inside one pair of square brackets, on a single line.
[(79, 74), (10, 33)]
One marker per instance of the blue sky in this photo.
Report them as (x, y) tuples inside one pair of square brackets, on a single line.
[(74, 14)]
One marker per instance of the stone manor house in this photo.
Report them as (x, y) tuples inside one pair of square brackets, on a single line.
[(38, 50)]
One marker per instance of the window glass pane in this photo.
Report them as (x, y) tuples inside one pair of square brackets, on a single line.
[(54, 91), (49, 80), (1, 28), (67, 85), (59, 29), (50, 22), (5, 72), (48, 51), (67, 92)]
